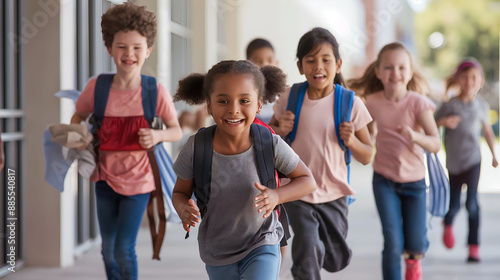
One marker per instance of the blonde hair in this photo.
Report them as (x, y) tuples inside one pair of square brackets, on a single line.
[(369, 83)]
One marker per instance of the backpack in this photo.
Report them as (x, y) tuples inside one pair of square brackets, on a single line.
[(264, 157), (439, 186), (342, 109), (149, 98)]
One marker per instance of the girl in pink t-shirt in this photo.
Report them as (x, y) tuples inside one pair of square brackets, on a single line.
[(405, 127), (319, 220), (125, 178)]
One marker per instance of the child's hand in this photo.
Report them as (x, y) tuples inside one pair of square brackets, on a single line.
[(189, 215), (451, 122), (266, 200), (346, 131), (406, 131), (286, 122), (495, 162), (148, 137)]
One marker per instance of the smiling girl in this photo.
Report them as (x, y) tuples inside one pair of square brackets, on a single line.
[(405, 126), (319, 220), (239, 232), (464, 117)]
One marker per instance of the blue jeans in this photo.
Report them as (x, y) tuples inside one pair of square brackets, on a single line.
[(469, 177), (262, 263), (119, 221), (402, 210)]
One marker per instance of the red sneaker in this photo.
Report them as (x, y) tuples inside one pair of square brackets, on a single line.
[(448, 237), (473, 253), (413, 270)]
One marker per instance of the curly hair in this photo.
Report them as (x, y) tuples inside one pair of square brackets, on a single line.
[(196, 88), (128, 17)]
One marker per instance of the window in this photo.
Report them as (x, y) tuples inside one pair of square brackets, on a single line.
[(12, 127)]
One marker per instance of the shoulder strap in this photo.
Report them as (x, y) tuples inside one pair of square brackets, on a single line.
[(295, 99), (101, 94), (344, 99), (149, 97), (264, 154), (202, 166)]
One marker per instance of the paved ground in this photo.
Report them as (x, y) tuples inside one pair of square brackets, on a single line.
[(180, 260)]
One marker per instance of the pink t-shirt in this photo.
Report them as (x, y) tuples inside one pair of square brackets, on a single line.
[(128, 173), (397, 158), (317, 146)]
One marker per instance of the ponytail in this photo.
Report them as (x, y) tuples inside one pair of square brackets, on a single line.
[(190, 89), (275, 83), (269, 81)]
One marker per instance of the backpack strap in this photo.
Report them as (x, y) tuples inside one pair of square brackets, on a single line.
[(295, 100), (149, 97), (264, 154), (202, 166), (342, 113), (101, 94)]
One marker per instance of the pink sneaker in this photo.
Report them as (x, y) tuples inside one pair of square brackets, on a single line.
[(473, 253), (413, 270), (448, 238)]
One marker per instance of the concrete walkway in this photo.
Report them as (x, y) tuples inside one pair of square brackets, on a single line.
[(180, 259)]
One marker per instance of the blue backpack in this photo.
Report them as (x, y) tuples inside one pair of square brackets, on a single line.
[(344, 99)]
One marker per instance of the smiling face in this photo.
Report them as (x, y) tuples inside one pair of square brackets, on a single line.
[(129, 51), (234, 102), (394, 70), (470, 81), (320, 66)]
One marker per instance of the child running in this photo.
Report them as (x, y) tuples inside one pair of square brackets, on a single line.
[(319, 220), (261, 53), (464, 117), (404, 120), (239, 232), (125, 178)]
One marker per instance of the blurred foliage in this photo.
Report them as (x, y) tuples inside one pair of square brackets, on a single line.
[(470, 29)]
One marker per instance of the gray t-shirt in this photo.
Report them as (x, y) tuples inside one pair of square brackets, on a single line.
[(231, 228), (462, 143)]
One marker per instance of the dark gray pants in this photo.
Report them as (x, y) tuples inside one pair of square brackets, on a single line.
[(319, 241)]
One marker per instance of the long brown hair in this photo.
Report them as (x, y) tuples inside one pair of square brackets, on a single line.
[(369, 83)]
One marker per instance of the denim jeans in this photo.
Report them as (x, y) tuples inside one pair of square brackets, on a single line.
[(119, 221), (469, 177), (263, 263), (402, 210)]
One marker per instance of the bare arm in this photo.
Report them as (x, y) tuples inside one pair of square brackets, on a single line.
[(358, 142), (284, 125), (372, 130), (183, 203), (148, 137), (490, 139), (301, 184), (79, 117), (429, 140)]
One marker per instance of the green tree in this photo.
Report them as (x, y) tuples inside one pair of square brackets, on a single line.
[(470, 29)]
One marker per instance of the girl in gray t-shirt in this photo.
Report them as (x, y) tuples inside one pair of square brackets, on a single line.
[(239, 232), (464, 117)]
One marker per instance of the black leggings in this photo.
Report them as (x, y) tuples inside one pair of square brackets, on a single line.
[(470, 178)]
